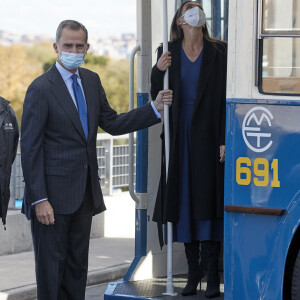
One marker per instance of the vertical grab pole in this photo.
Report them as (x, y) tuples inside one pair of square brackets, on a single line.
[(169, 288), (131, 138)]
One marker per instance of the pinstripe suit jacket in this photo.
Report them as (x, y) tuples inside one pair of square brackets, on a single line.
[(54, 151)]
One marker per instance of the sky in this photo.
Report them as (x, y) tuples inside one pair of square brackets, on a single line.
[(102, 18)]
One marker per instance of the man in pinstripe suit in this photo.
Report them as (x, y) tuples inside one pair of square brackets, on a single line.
[(61, 115)]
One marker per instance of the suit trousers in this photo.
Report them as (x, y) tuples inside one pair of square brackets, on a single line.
[(61, 253)]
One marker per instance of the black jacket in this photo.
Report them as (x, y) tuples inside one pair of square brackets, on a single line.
[(9, 137), (207, 134)]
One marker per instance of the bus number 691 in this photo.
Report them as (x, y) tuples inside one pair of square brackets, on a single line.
[(261, 172)]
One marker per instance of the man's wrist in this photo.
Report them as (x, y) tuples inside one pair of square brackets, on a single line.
[(36, 202), (153, 104)]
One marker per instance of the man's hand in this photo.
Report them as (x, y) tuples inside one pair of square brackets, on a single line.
[(44, 212), (222, 153), (163, 97)]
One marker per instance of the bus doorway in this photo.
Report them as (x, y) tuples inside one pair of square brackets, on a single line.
[(146, 277)]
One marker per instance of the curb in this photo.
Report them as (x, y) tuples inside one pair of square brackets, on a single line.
[(28, 292), (106, 275)]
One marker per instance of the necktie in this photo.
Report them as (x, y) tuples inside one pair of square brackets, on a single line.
[(81, 104)]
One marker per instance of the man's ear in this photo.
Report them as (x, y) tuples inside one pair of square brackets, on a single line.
[(55, 47)]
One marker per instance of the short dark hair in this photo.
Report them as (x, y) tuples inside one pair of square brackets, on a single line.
[(71, 24)]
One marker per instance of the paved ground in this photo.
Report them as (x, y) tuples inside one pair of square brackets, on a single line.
[(96, 292), (109, 259)]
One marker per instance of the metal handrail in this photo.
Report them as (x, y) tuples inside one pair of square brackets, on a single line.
[(266, 35), (131, 106), (259, 18), (170, 286)]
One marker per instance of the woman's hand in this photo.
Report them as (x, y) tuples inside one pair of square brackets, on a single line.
[(222, 153), (164, 61), (163, 97)]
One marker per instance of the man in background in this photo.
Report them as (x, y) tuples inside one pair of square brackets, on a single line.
[(9, 138), (62, 111)]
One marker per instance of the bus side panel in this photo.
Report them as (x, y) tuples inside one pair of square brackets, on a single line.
[(262, 171)]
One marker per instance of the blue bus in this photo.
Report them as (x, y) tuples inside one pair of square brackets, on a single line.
[(262, 180)]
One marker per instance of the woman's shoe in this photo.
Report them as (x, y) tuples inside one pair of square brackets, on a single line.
[(195, 276), (190, 288), (213, 278), (212, 294), (192, 255), (213, 285)]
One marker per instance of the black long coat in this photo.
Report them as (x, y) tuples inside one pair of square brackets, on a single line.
[(207, 134), (9, 138)]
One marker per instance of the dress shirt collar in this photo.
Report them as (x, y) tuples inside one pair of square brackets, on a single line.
[(65, 74)]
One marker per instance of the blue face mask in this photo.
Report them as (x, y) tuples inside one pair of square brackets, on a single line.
[(72, 60)]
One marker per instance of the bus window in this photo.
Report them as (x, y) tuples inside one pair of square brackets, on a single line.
[(279, 51), (217, 18)]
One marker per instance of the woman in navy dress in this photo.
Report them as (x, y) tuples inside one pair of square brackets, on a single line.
[(192, 197)]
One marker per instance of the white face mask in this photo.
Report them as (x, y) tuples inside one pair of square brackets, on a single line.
[(195, 17)]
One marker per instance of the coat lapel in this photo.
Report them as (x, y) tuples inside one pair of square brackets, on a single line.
[(209, 54), (174, 74), (64, 98)]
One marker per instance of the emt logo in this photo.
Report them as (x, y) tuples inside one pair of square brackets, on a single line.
[(255, 129)]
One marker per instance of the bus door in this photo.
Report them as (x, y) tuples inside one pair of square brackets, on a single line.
[(146, 275)]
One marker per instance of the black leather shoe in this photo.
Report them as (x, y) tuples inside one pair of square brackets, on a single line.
[(212, 293), (195, 276), (213, 286), (195, 273), (213, 278), (190, 288)]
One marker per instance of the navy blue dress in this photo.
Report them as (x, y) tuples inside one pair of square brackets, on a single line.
[(188, 229)]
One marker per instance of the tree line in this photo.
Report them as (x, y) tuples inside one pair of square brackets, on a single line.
[(22, 64)]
